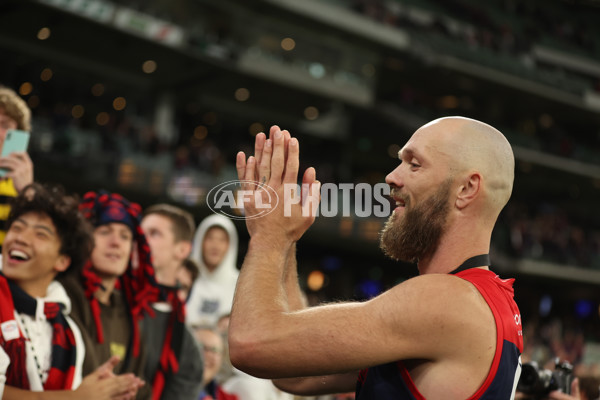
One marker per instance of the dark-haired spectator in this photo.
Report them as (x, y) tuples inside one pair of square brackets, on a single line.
[(42, 349), (186, 276)]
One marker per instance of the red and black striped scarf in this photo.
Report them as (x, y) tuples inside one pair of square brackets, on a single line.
[(62, 367)]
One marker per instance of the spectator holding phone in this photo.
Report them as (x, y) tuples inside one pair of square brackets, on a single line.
[(14, 114)]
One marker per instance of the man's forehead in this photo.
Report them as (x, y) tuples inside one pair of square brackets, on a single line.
[(38, 220), (407, 151), (156, 220)]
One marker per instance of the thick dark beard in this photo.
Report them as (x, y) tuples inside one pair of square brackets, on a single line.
[(418, 232)]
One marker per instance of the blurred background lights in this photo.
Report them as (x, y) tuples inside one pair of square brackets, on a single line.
[(119, 103), (43, 33), (25, 88), (149, 66), (288, 44), (331, 263), (98, 89), (46, 74), (584, 308), (33, 101), (77, 111), (448, 102), (311, 113), (545, 305), (316, 70), (210, 118), (393, 150), (242, 94), (315, 280), (255, 128), (200, 132), (102, 118), (369, 288)]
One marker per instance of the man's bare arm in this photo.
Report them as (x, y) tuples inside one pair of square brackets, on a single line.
[(318, 385)]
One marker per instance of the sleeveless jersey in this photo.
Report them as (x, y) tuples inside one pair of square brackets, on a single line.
[(393, 381)]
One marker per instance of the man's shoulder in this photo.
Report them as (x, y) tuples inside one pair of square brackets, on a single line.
[(437, 297), (435, 287)]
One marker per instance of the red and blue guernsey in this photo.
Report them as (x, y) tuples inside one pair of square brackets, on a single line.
[(393, 381)]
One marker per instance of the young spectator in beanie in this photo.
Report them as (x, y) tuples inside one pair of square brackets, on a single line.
[(116, 287)]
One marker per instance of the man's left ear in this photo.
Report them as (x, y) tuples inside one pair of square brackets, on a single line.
[(62, 263), (469, 190), (183, 249)]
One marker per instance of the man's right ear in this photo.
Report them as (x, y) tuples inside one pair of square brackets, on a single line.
[(183, 249)]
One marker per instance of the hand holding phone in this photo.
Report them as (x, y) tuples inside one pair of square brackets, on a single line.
[(20, 168)]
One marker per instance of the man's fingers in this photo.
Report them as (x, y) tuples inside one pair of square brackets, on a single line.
[(286, 143), (310, 175), (259, 144), (311, 196), (307, 180), (240, 165), (249, 174), (272, 131), (293, 162), (278, 158), (264, 167)]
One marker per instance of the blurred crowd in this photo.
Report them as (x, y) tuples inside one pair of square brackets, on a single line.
[(502, 27), (545, 232)]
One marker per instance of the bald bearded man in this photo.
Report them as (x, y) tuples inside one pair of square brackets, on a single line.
[(453, 332)]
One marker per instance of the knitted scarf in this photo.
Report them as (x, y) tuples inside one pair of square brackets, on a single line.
[(62, 367)]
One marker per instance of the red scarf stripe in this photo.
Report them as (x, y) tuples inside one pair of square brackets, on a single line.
[(64, 352)]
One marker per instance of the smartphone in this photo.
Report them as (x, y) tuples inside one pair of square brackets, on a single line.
[(15, 141)]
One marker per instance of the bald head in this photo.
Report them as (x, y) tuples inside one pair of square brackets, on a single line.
[(471, 145)]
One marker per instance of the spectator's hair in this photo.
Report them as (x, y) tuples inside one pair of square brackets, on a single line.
[(16, 108), (192, 267), (182, 221), (74, 231)]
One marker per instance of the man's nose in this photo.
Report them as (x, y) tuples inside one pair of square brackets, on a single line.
[(394, 178)]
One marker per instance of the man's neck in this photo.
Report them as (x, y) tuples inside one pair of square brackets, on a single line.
[(454, 248), (103, 295), (167, 275), (37, 288)]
